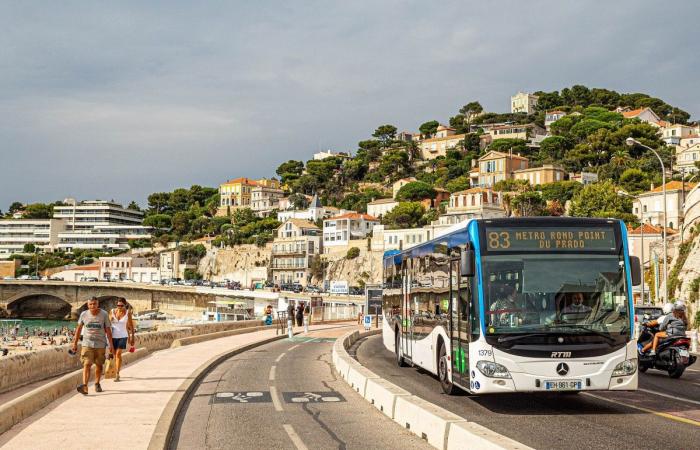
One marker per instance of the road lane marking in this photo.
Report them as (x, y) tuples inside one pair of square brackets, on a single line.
[(669, 396), (296, 440), (292, 348), (275, 399), (272, 373), (650, 411), (280, 357)]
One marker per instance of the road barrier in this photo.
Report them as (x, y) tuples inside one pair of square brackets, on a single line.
[(439, 427)]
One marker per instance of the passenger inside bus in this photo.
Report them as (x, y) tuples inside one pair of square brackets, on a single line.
[(505, 311)]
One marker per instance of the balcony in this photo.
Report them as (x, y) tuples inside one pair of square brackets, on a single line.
[(281, 265), (289, 251)]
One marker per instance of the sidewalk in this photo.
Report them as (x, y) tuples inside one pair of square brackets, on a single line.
[(126, 413)]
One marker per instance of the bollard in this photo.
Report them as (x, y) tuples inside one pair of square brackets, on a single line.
[(694, 341)]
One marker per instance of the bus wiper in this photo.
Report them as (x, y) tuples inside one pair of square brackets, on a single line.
[(520, 336), (609, 338)]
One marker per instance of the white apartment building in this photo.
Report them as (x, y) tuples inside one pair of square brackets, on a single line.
[(672, 134), (297, 242), (340, 230), (523, 102), (378, 208), (265, 199), (552, 116), (686, 158), (383, 239), (120, 268), (474, 203), (651, 204), (15, 233), (99, 225), (319, 156), (314, 212)]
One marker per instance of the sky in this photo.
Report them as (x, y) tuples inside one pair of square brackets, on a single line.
[(116, 100)]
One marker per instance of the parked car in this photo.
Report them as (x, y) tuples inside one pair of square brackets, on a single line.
[(292, 287), (56, 278), (313, 289)]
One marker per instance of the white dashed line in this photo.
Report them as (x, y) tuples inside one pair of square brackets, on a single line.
[(294, 347), (275, 399), (272, 373), (280, 357), (294, 437)]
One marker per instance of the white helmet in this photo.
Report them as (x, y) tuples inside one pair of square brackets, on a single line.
[(667, 308), (679, 306)]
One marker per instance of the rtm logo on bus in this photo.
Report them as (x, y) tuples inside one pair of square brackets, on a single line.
[(561, 355)]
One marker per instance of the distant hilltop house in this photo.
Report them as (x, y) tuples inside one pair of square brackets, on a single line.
[(643, 114), (552, 116), (340, 231), (313, 212), (238, 193), (523, 102), (318, 156)]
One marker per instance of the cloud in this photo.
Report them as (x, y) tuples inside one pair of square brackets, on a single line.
[(117, 100)]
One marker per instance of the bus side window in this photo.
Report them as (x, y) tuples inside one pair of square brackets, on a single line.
[(474, 311)]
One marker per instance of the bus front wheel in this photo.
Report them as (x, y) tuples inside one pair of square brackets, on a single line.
[(443, 372), (397, 349)]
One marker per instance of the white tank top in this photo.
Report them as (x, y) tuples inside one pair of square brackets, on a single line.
[(119, 326)]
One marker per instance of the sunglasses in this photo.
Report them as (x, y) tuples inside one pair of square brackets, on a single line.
[(120, 306)]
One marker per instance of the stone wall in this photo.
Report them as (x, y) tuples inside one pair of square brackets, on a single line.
[(241, 263), (25, 368)]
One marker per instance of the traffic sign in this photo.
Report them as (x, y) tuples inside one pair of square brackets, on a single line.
[(368, 321)]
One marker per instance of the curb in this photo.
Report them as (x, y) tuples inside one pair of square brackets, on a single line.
[(18, 409), (439, 427), (163, 433), (216, 335)]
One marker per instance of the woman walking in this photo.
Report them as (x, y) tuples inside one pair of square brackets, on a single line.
[(122, 330)]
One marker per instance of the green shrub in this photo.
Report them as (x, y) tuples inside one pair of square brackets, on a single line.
[(353, 252)]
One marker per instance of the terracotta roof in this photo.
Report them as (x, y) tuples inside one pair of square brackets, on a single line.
[(382, 201), (446, 138), (556, 112), (86, 267), (691, 136), (505, 127), (444, 127), (635, 112), (354, 215), (301, 223), (472, 191), (672, 186), (651, 229), (242, 180), (501, 155)]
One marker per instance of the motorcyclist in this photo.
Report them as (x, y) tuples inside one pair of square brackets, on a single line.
[(673, 324)]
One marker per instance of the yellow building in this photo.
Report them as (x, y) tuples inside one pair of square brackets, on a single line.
[(548, 173), (235, 194), (496, 166)]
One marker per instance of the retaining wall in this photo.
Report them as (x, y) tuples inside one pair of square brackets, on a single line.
[(25, 368)]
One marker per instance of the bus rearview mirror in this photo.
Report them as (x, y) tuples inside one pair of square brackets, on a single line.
[(635, 271), (467, 263)]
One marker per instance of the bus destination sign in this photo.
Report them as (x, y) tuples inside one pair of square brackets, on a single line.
[(501, 239)]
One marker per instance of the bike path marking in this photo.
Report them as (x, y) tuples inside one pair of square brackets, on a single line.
[(646, 410)]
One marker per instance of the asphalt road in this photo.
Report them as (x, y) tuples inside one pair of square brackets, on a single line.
[(655, 417), (285, 395)]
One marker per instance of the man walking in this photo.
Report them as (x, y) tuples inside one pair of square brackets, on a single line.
[(97, 336)]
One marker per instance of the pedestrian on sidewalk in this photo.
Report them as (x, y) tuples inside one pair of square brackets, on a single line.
[(290, 319), (300, 315), (307, 316), (122, 331), (98, 335)]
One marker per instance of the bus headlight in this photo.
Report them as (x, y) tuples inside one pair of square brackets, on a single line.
[(625, 368), (492, 369)]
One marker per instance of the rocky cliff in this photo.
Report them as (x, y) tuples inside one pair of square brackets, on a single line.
[(242, 263)]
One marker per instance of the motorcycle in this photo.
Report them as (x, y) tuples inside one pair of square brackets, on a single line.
[(672, 354)]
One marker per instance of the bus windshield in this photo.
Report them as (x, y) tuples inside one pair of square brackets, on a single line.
[(555, 293)]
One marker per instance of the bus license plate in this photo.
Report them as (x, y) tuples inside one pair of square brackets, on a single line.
[(563, 385)]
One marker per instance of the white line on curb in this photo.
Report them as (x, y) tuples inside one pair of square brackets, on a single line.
[(294, 437), (272, 373)]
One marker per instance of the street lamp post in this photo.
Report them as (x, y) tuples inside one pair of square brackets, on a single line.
[(631, 142)]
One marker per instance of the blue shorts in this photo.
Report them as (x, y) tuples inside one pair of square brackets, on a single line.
[(119, 343)]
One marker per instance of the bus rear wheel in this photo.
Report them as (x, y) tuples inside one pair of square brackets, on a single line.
[(397, 349), (443, 372)]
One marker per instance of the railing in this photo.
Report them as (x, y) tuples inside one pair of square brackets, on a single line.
[(288, 266), (334, 312)]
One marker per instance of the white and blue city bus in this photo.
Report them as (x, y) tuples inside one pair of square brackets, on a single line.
[(516, 305)]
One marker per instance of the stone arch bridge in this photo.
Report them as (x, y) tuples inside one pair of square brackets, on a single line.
[(65, 299)]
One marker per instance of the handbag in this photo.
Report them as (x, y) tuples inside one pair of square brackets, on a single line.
[(110, 369)]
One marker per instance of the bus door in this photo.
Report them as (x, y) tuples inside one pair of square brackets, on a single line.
[(406, 312), (460, 295)]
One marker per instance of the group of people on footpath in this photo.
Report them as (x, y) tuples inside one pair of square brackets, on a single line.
[(100, 330), (302, 314)]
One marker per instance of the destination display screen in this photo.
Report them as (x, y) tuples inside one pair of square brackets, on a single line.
[(516, 239)]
